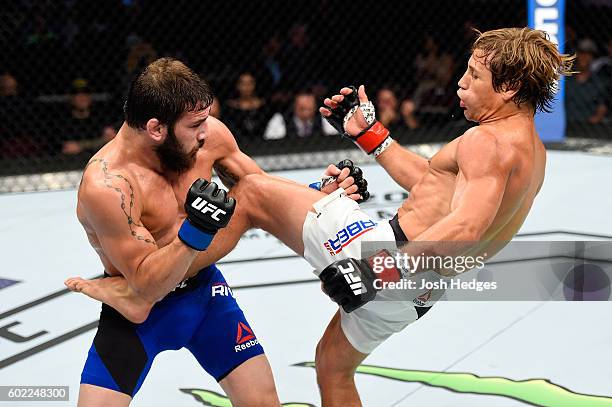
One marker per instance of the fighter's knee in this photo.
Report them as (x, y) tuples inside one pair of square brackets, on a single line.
[(265, 400), (328, 365), (264, 397)]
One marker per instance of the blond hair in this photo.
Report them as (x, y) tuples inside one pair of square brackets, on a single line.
[(524, 60)]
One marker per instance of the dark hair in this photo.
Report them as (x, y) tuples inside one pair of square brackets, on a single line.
[(164, 90), (524, 60)]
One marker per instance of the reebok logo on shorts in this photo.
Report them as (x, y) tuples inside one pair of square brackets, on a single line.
[(347, 234), (245, 338)]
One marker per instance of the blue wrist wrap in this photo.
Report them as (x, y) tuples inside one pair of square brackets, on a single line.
[(315, 185), (194, 237)]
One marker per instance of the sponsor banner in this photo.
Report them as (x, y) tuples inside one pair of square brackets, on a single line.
[(549, 16)]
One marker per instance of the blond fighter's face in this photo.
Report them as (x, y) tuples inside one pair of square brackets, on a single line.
[(478, 99)]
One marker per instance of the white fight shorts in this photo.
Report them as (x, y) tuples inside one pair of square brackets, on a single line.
[(335, 231)]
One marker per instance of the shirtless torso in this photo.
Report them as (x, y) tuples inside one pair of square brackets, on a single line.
[(515, 148), (152, 202)]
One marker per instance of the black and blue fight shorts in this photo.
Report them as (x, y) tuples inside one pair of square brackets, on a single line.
[(201, 315)]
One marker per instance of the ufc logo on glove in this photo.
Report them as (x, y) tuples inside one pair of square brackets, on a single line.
[(353, 280), (204, 206)]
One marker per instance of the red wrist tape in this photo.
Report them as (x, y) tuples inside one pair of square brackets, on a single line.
[(369, 139)]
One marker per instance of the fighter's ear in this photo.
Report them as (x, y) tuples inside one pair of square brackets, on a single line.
[(508, 93), (156, 130)]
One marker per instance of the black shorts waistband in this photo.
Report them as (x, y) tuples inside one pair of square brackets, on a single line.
[(400, 237)]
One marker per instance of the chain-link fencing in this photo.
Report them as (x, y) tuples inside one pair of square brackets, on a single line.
[(67, 64)]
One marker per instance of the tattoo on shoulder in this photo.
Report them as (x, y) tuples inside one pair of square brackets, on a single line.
[(228, 178), (109, 180)]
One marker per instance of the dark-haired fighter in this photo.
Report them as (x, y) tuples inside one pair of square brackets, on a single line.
[(151, 216)]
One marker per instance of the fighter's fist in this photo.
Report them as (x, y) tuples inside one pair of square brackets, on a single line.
[(208, 209), (354, 116), (359, 181), (351, 282)]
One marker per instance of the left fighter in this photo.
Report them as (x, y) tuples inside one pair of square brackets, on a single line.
[(148, 221)]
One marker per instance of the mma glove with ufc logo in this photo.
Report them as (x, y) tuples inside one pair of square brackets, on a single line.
[(208, 209), (351, 283)]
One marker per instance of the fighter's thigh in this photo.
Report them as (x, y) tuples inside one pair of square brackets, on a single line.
[(335, 355), (224, 340), (278, 206), (226, 239), (251, 384), (95, 396)]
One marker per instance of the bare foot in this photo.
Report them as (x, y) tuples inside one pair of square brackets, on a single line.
[(115, 292)]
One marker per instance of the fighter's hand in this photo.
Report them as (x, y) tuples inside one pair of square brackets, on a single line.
[(351, 283), (353, 115), (347, 176), (338, 106), (208, 209)]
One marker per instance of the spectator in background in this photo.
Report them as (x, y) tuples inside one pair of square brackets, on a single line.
[(408, 119), (245, 114), (296, 59), (428, 60), (83, 128), (436, 98), (585, 93), (602, 66), (270, 62), (303, 121), (387, 106), (17, 127), (8, 86), (140, 54)]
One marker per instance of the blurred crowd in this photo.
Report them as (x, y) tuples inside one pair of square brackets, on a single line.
[(67, 68)]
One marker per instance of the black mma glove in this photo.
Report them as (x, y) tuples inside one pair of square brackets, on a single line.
[(373, 137), (357, 174), (208, 209), (336, 119), (352, 283)]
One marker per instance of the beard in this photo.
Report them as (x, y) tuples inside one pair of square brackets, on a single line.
[(172, 156)]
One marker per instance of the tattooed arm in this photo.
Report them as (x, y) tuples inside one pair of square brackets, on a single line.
[(111, 206)]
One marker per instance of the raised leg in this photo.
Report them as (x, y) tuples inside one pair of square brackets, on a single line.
[(277, 206)]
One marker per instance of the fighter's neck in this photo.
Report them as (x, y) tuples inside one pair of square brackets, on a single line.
[(507, 115), (135, 148)]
